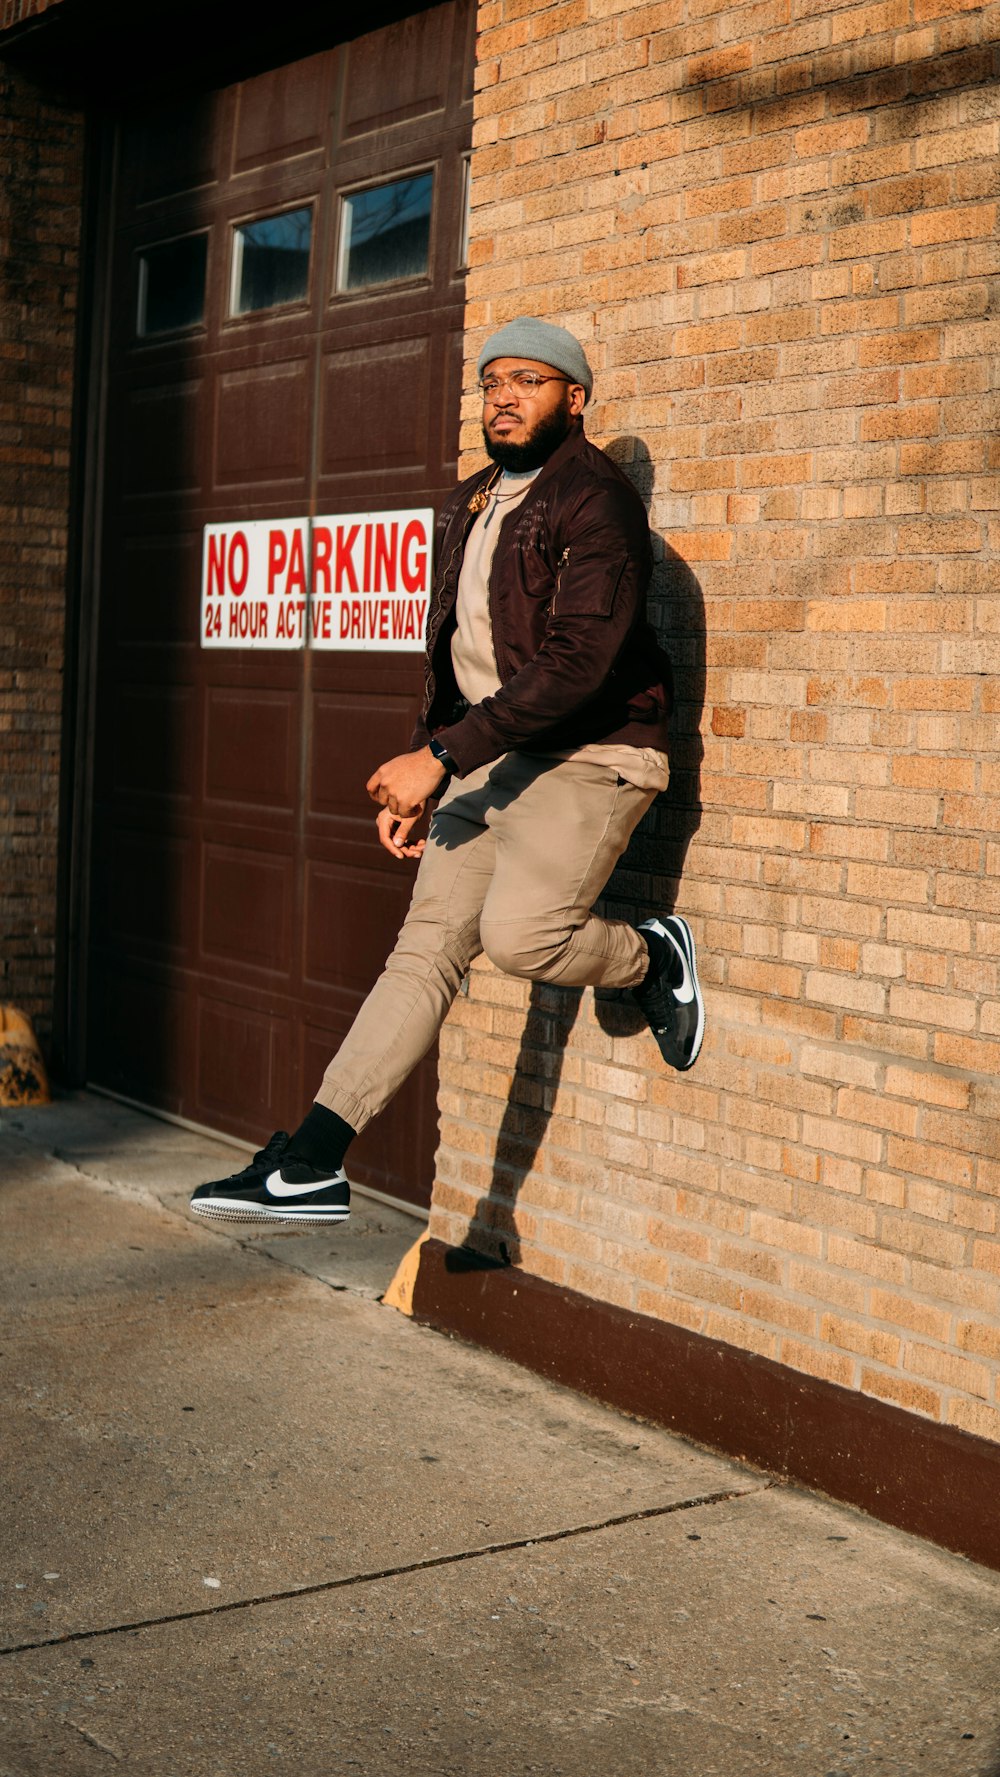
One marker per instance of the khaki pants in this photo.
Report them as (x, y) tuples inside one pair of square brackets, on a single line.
[(517, 854)]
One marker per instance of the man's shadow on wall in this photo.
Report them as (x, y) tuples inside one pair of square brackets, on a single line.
[(646, 881)]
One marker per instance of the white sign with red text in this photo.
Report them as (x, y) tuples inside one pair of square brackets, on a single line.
[(359, 580)]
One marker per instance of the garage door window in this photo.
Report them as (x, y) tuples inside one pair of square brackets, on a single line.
[(385, 233), (271, 261), (172, 285)]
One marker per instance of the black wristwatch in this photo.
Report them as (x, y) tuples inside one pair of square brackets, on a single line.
[(443, 756)]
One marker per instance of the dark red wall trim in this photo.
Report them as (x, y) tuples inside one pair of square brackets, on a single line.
[(926, 1478)]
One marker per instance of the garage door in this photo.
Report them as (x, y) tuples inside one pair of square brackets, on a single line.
[(285, 347)]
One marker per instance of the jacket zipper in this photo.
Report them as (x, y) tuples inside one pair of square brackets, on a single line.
[(561, 563), (432, 640)]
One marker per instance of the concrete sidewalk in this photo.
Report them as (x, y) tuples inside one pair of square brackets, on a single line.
[(256, 1521)]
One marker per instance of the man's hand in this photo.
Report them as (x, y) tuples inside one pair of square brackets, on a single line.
[(403, 784), (394, 834)]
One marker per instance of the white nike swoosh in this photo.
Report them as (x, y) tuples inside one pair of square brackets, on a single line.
[(683, 994), (278, 1187)]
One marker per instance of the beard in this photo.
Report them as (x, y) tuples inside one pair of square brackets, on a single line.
[(536, 449)]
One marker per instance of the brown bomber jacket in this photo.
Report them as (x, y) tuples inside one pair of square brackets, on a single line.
[(577, 660)]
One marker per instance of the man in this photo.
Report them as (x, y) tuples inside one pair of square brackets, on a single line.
[(541, 738)]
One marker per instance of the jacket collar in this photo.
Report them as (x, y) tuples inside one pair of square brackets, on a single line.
[(570, 447)]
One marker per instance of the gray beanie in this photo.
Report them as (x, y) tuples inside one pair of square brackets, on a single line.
[(543, 342)]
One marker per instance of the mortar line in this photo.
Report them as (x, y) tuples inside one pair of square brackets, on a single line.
[(390, 1573)]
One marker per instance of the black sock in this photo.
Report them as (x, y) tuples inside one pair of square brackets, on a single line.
[(665, 961), (322, 1139)]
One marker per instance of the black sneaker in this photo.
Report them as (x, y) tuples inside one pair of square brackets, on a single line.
[(277, 1187), (676, 1013)]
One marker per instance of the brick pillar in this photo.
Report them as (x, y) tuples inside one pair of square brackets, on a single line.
[(41, 154)]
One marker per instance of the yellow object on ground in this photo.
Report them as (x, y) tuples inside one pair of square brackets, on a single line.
[(23, 1079), (400, 1292)]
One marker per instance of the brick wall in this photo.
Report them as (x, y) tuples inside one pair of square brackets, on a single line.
[(17, 12), (40, 172), (775, 228)]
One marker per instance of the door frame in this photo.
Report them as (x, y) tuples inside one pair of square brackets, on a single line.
[(83, 583)]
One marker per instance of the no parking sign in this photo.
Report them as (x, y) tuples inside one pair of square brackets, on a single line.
[(353, 581)]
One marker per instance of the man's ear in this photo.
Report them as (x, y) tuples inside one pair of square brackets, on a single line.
[(577, 398)]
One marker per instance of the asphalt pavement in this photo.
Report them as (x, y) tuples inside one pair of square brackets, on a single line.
[(256, 1520)]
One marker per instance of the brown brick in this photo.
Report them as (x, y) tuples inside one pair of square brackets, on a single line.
[(735, 1330), (829, 1366), (935, 931), (717, 63), (938, 1009), (948, 1369), (953, 224), (936, 380), (866, 1258), (933, 694), (852, 1143), (688, 476), (914, 1397), (926, 969), (831, 138), (719, 336), (870, 1342), (700, 546), (867, 239), (897, 197), (910, 347), (729, 722), (784, 255), (919, 421), (982, 1338), (974, 1416), (718, 197), (958, 456), (663, 1305), (711, 268), (880, 1112), (902, 1310), (976, 1056)]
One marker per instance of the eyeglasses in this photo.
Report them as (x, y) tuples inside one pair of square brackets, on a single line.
[(519, 382)]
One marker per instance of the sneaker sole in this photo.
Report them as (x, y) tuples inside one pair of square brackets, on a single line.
[(221, 1211)]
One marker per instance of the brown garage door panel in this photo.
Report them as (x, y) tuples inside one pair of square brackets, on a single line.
[(246, 907), (141, 1034), (173, 148), (284, 113), (242, 1060), (354, 844), (262, 424), (155, 742), (163, 428), (351, 920), (146, 903), (418, 51), (375, 411), (352, 735), (153, 589), (251, 748)]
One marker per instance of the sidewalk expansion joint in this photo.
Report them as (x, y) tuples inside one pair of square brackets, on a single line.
[(391, 1573)]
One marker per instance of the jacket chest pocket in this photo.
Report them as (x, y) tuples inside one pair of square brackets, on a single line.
[(537, 577), (588, 588)]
